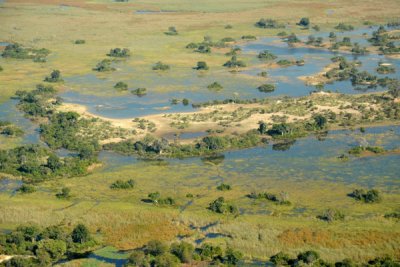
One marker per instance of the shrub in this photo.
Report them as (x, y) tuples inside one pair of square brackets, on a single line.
[(234, 63), (280, 259), (81, 234), (201, 65), (384, 69), (166, 260), (344, 27), (266, 55), (232, 257), (171, 31), (80, 41), (308, 257), (331, 215), (121, 86), (156, 199), (370, 196), (118, 52), (216, 86), (316, 28), (192, 46), (284, 62), (139, 91), (228, 27), (1, 68), (19, 52), (224, 187), (292, 38), (11, 130), (304, 22), (267, 88), (156, 247), (104, 65), (219, 206), (269, 24), (64, 194), (26, 189), (119, 184), (184, 251), (160, 66), (227, 40), (204, 49), (54, 77), (282, 34), (249, 37), (185, 101)]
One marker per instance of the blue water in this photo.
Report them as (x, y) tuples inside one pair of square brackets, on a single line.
[(307, 159), (9, 112), (97, 93)]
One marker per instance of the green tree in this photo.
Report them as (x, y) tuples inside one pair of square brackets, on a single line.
[(80, 234)]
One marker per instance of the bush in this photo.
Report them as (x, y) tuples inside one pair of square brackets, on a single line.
[(19, 52), (81, 234), (166, 260), (119, 184), (54, 77), (344, 27), (370, 196), (64, 194), (104, 65), (12, 131), (292, 38), (156, 199), (269, 24), (201, 65), (266, 55), (280, 259), (219, 206), (331, 215), (118, 52), (185, 101), (224, 187), (184, 251), (284, 62), (80, 41), (234, 63), (1, 68), (192, 46), (308, 257), (160, 66), (139, 91), (156, 248), (267, 88), (215, 86), (121, 86), (304, 22), (249, 37), (204, 49), (171, 31), (26, 189), (384, 69), (232, 257)]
